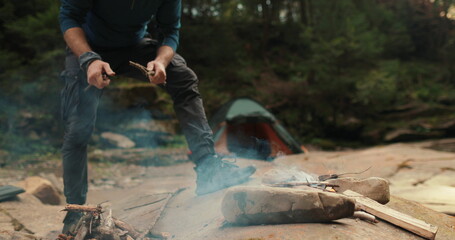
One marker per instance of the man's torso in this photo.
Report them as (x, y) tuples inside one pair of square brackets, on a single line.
[(115, 23)]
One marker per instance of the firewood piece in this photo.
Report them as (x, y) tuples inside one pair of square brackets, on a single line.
[(126, 227), (407, 222), (83, 208), (107, 228), (365, 216), (81, 233)]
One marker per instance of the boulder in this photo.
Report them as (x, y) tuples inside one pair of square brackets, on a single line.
[(42, 189), (374, 187), (117, 140), (56, 182), (269, 205)]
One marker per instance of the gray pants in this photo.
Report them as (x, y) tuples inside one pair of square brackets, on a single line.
[(79, 109)]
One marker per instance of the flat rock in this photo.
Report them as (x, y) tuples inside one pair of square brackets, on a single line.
[(267, 205), (36, 218), (42, 189), (14, 235), (374, 187), (438, 198)]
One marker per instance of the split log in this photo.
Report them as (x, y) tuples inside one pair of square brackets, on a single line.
[(407, 222)]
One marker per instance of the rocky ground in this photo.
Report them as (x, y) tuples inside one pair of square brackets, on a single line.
[(162, 199)]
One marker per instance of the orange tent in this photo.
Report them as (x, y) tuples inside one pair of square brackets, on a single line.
[(244, 127)]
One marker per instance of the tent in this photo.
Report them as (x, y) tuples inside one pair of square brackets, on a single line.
[(244, 127)]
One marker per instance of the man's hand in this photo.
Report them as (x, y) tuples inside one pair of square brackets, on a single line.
[(98, 72), (163, 58), (160, 72)]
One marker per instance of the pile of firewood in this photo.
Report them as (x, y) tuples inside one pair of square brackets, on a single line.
[(97, 223)]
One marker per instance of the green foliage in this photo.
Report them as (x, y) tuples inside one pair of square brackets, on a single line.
[(379, 87), (29, 66), (317, 64)]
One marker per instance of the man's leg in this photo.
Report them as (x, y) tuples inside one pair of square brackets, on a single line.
[(182, 85), (79, 114)]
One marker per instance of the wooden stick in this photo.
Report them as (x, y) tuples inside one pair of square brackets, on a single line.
[(407, 222), (364, 216), (147, 73), (83, 208), (126, 227), (292, 184)]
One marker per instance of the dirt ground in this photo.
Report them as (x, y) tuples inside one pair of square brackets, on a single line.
[(162, 199)]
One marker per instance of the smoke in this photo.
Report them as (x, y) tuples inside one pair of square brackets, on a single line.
[(285, 174), (252, 148), (27, 122), (137, 124)]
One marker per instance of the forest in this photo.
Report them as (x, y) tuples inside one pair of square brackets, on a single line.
[(342, 73)]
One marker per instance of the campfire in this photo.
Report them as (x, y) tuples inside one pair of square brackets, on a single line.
[(98, 223)]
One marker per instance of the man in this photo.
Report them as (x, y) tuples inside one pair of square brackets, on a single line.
[(103, 36)]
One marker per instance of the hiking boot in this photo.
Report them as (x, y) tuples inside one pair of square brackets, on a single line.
[(70, 222), (214, 173)]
